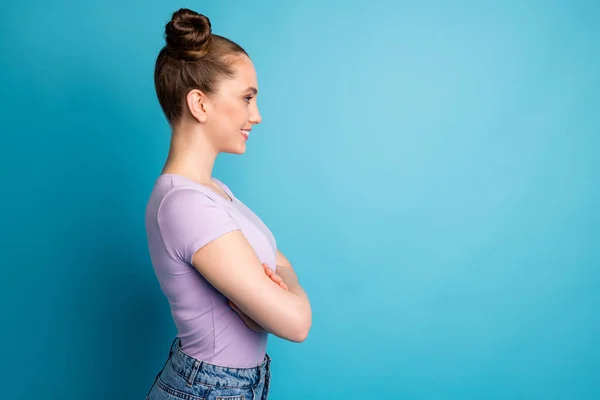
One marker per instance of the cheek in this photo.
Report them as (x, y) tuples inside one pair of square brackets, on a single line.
[(237, 116), (233, 114), (231, 117)]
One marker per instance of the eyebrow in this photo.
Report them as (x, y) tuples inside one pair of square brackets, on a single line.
[(252, 89)]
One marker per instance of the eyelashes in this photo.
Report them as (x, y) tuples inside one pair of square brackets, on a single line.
[(248, 98)]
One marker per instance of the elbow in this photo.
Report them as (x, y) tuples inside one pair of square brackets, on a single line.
[(291, 322), (302, 328), (300, 336)]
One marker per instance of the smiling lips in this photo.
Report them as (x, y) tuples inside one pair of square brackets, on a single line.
[(245, 133)]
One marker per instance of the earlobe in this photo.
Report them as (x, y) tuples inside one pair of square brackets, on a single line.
[(201, 115)]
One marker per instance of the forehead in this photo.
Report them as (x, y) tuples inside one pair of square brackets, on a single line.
[(245, 76)]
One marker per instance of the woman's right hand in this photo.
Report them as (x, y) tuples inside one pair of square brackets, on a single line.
[(247, 320)]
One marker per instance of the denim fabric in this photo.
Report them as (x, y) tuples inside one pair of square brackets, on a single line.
[(184, 377)]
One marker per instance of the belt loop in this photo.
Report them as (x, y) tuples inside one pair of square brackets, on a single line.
[(192, 377), (261, 375), (267, 368), (268, 371), (173, 346)]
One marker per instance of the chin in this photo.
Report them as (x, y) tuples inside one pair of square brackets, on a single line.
[(237, 150)]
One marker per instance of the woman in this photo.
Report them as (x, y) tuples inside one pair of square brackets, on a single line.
[(217, 263)]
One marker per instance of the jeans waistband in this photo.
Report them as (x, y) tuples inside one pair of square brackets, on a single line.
[(197, 371)]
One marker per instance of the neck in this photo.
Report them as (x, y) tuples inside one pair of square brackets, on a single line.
[(190, 155)]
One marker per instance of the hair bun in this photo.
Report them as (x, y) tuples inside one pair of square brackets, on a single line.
[(188, 34)]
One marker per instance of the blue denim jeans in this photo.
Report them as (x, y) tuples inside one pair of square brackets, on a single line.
[(184, 377)]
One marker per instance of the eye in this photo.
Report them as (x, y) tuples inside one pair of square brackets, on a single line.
[(248, 98)]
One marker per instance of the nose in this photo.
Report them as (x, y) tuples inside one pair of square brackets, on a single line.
[(255, 117)]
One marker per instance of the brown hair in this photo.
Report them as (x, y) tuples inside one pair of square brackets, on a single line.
[(193, 58)]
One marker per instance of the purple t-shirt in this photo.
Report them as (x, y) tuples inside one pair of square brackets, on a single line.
[(181, 217)]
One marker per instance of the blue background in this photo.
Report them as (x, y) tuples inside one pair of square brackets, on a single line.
[(431, 170)]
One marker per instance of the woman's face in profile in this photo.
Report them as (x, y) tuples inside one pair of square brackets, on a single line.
[(234, 109)]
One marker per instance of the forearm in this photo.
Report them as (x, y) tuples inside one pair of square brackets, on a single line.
[(297, 314), (287, 273), (290, 278)]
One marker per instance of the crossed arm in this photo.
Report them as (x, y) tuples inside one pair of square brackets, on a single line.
[(286, 278), (287, 273), (225, 258), (230, 264)]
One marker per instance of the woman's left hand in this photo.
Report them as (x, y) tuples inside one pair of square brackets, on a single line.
[(275, 277)]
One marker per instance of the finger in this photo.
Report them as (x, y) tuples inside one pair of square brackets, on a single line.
[(284, 285), (276, 278), (247, 320), (268, 270), (235, 308), (250, 323)]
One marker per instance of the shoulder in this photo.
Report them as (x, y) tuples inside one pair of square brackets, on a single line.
[(188, 219), (184, 201)]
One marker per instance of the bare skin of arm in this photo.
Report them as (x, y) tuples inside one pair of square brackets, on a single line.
[(284, 268), (287, 273), (284, 277), (247, 320), (230, 264)]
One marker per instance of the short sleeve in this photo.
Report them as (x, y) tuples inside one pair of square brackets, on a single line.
[(188, 220)]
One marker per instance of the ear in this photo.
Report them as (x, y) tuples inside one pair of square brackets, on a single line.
[(197, 103)]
